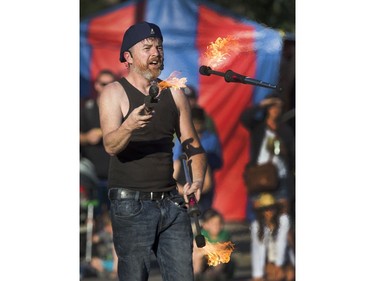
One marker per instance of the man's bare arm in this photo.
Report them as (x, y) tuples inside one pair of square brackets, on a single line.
[(191, 146)]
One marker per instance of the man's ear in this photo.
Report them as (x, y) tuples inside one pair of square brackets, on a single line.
[(128, 56)]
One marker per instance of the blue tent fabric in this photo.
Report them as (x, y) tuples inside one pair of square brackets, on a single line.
[(178, 21)]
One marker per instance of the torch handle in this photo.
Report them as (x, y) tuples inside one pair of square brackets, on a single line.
[(193, 210), (186, 169), (193, 206)]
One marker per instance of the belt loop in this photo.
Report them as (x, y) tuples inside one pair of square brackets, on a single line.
[(136, 198)]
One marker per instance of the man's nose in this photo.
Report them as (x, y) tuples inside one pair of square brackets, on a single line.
[(155, 51)]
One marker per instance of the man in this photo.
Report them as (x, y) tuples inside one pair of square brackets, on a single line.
[(147, 211), (91, 144)]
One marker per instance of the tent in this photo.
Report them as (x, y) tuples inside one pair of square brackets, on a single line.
[(189, 27)]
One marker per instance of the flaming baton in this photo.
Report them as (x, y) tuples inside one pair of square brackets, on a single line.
[(218, 54), (220, 51), (216, 252), (173, 81)]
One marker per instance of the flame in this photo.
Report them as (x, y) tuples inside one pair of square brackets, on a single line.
[(173, 81), (219, 52), (218, 252), (223, 50)]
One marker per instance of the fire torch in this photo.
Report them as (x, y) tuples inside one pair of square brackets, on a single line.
[(151, 99), (193, 210)]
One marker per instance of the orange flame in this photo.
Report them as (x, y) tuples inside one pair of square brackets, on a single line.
[(173, 81), (219, 52), (218, 252)]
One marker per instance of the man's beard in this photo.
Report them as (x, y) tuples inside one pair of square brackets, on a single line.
[(149, 74)]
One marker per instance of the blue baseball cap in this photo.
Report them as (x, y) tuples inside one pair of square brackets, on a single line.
[(137, 33)]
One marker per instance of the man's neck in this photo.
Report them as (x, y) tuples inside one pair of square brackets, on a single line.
[(139, 82)]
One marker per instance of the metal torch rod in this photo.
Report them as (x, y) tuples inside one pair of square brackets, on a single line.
[(193, 207)]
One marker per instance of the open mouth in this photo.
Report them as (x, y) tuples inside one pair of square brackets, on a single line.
[(154, 63)]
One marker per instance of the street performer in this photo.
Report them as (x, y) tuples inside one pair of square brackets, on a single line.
[(148, 213)]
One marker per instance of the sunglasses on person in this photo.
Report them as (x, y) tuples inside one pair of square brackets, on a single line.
[(103, 83)]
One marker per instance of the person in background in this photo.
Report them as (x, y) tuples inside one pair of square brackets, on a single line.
[(91, 138), (214, 232), (271, 138), (211, 145), (191, 94), (104, 259), (148, 212), (269, 241)]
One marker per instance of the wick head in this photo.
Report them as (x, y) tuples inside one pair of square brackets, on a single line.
[(200, 240), (205, 70), (153, 91)]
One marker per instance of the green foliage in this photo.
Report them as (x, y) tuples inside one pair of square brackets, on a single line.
[(277, 14)]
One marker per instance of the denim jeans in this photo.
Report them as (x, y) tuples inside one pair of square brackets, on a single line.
[(162, 226)]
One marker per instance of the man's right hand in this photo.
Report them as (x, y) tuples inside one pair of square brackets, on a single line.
[(138, 118)]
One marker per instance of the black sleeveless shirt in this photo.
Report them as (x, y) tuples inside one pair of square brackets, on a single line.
[(146, 164)]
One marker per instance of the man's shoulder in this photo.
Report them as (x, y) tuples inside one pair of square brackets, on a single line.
[(113, 90)]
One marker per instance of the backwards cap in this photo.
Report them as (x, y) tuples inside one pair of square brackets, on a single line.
[(137, 33)]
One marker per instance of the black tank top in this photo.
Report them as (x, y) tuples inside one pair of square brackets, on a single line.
[(146, 164)]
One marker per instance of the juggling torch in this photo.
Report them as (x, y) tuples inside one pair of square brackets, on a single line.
[(151, 99), (193, 210)]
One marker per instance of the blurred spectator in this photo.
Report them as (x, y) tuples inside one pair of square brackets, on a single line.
[(191, 94), (269, 241), (271, 137), (101, 261), (91, 144), (211, 145), (214, 232), (104, 259)]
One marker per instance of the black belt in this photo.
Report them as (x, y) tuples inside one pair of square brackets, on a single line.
[(122, 193)]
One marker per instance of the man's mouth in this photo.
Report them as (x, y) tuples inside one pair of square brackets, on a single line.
[(154, 62)]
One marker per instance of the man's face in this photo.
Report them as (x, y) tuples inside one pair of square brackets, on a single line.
[(103, 80), (199, 125), (275, 109), (148, 57), (214, 225)]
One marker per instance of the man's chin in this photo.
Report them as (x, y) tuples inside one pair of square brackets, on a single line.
[(154, 73)]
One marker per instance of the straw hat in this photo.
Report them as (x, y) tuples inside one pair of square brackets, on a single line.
[(265, 201)]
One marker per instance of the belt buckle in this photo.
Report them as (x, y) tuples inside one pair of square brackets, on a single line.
[(151, 195), (162, 195)]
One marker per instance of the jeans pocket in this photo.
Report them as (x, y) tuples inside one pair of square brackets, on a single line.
[(178, 201), (126, 208)]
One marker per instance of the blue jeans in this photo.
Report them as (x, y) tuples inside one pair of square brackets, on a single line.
[(162, 226)]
